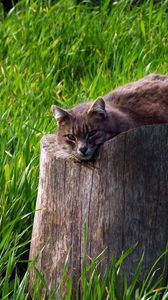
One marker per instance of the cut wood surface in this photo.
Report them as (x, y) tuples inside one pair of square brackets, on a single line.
[(122, 198)]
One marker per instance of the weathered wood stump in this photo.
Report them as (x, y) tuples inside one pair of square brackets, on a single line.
[(122, 199)]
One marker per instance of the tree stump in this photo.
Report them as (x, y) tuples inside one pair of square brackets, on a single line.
[(122, 199)]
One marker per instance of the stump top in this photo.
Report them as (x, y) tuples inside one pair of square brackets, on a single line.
[(141, 137)]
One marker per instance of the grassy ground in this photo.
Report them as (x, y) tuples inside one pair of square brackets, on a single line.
[(60, 54)]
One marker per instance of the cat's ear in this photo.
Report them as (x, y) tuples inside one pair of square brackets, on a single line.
[(98, 107), (59, 113)]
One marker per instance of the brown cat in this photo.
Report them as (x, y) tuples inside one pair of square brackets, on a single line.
[(86, 126)]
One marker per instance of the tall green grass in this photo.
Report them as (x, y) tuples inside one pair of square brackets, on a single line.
[(62, 53), (112, 284)]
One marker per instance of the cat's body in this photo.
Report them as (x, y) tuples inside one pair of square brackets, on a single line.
[(86, 126)]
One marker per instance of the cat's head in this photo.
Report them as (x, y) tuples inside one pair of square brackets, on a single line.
[(81, 129)]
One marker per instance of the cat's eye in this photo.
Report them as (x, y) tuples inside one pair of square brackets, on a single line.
[(70, 137), (92, 133)]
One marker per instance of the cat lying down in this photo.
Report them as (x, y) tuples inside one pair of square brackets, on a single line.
[(83, 128)]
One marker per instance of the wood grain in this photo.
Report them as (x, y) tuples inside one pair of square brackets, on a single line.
[(122, 198)]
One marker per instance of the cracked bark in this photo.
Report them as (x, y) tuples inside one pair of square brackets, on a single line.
[(120, 200)]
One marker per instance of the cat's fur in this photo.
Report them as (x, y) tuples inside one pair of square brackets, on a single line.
[(86, 126)]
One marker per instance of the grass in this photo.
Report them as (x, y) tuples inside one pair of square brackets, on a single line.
[(113, 284), (64, 54)]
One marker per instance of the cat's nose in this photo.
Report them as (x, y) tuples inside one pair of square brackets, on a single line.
[(83, 149)]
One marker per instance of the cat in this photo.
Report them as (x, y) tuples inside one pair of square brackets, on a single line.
[(83, 128)]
